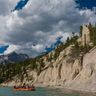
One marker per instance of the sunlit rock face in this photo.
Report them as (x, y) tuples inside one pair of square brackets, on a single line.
[(85, 35)]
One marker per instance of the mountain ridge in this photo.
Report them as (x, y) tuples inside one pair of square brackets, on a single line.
[(13, 57)]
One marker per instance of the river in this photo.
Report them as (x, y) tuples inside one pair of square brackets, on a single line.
[(7, 91)]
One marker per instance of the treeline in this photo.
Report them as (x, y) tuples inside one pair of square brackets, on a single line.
[(8, 71), (92, 33)]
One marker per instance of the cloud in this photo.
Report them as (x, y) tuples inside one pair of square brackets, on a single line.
[(6, 6), (89, 13), (38, 48), (10, 49), (39, 23)]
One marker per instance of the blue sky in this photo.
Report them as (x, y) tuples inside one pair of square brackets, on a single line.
[(35, 25), (86, 4), (3, 48), (81, 4), (20, 4)]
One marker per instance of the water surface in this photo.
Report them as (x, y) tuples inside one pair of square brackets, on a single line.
[(7, 91)]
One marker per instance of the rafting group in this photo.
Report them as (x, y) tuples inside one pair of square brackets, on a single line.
[(24, 88)]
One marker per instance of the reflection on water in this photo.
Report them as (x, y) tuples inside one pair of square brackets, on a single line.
[(5, 91)]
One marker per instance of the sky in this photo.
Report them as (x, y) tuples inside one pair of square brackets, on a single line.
[(31, 26)]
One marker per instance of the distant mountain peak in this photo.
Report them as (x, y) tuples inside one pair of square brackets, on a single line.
[(13, 57)]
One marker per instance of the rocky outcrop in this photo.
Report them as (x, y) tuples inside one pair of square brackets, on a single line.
[(86, 79), (85, 38)]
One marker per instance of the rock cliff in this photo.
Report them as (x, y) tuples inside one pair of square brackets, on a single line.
[(68, 71), (71, 68)]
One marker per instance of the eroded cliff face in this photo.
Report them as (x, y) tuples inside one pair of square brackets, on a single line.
[(78, 73), (86, 79), (59, 72)]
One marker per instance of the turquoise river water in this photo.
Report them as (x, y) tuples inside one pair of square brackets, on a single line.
[(7, 91)]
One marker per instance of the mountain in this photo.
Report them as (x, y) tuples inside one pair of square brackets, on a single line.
[(70, 65), (12, 58)]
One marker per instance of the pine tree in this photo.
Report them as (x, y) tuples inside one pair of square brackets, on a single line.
[(81, 30)]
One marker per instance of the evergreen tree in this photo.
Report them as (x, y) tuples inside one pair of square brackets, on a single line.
[(81, 30)]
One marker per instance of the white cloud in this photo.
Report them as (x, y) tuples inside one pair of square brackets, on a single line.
[(38, 48), (40, 23), (11, 49), (90, 14)]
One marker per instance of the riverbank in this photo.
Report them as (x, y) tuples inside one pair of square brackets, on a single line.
[(65, 89), (71, 91)]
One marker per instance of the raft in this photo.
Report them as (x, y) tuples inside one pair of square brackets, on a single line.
[(24, 88)]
